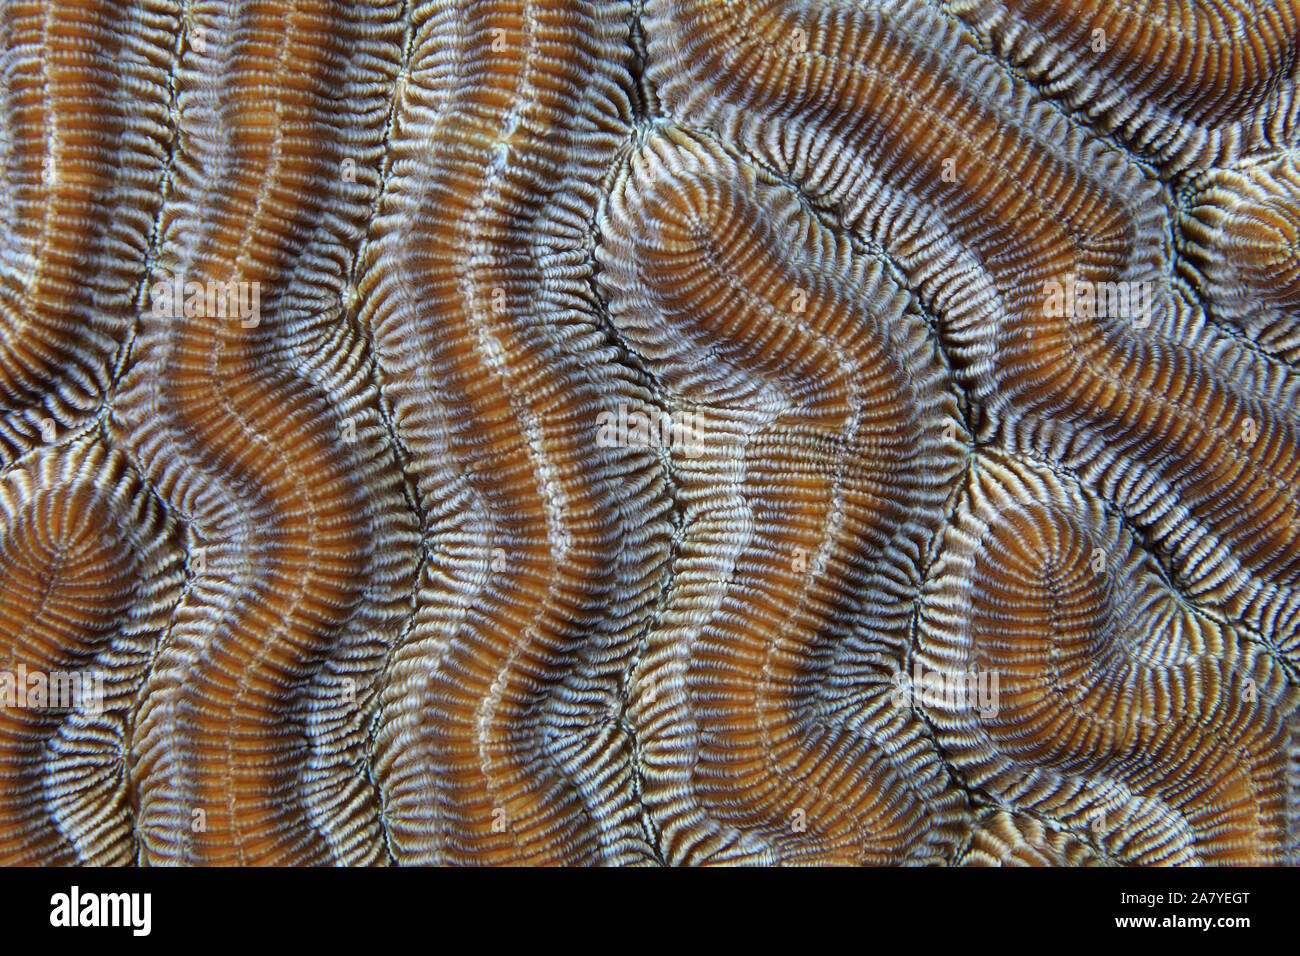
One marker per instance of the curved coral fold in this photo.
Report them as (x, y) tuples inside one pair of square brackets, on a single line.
[(1156, 733), (500, 738), (250, 741), (795, 375), (91, 575), (83, 131)]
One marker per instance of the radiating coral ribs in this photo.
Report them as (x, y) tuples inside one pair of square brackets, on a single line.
[(734, 373), (90, 576), (275, 630), (1176, 756), (504, 695), (1005, 839), (1238, 235), (818, 421), (1037, 217), (1185, 83), (84, 100)]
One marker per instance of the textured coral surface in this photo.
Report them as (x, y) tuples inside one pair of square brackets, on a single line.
[(679, 431)]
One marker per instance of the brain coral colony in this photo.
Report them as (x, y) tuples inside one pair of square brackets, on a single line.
[(694, 431)]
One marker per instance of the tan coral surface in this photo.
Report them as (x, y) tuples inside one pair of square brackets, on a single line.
[(678, 431)]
